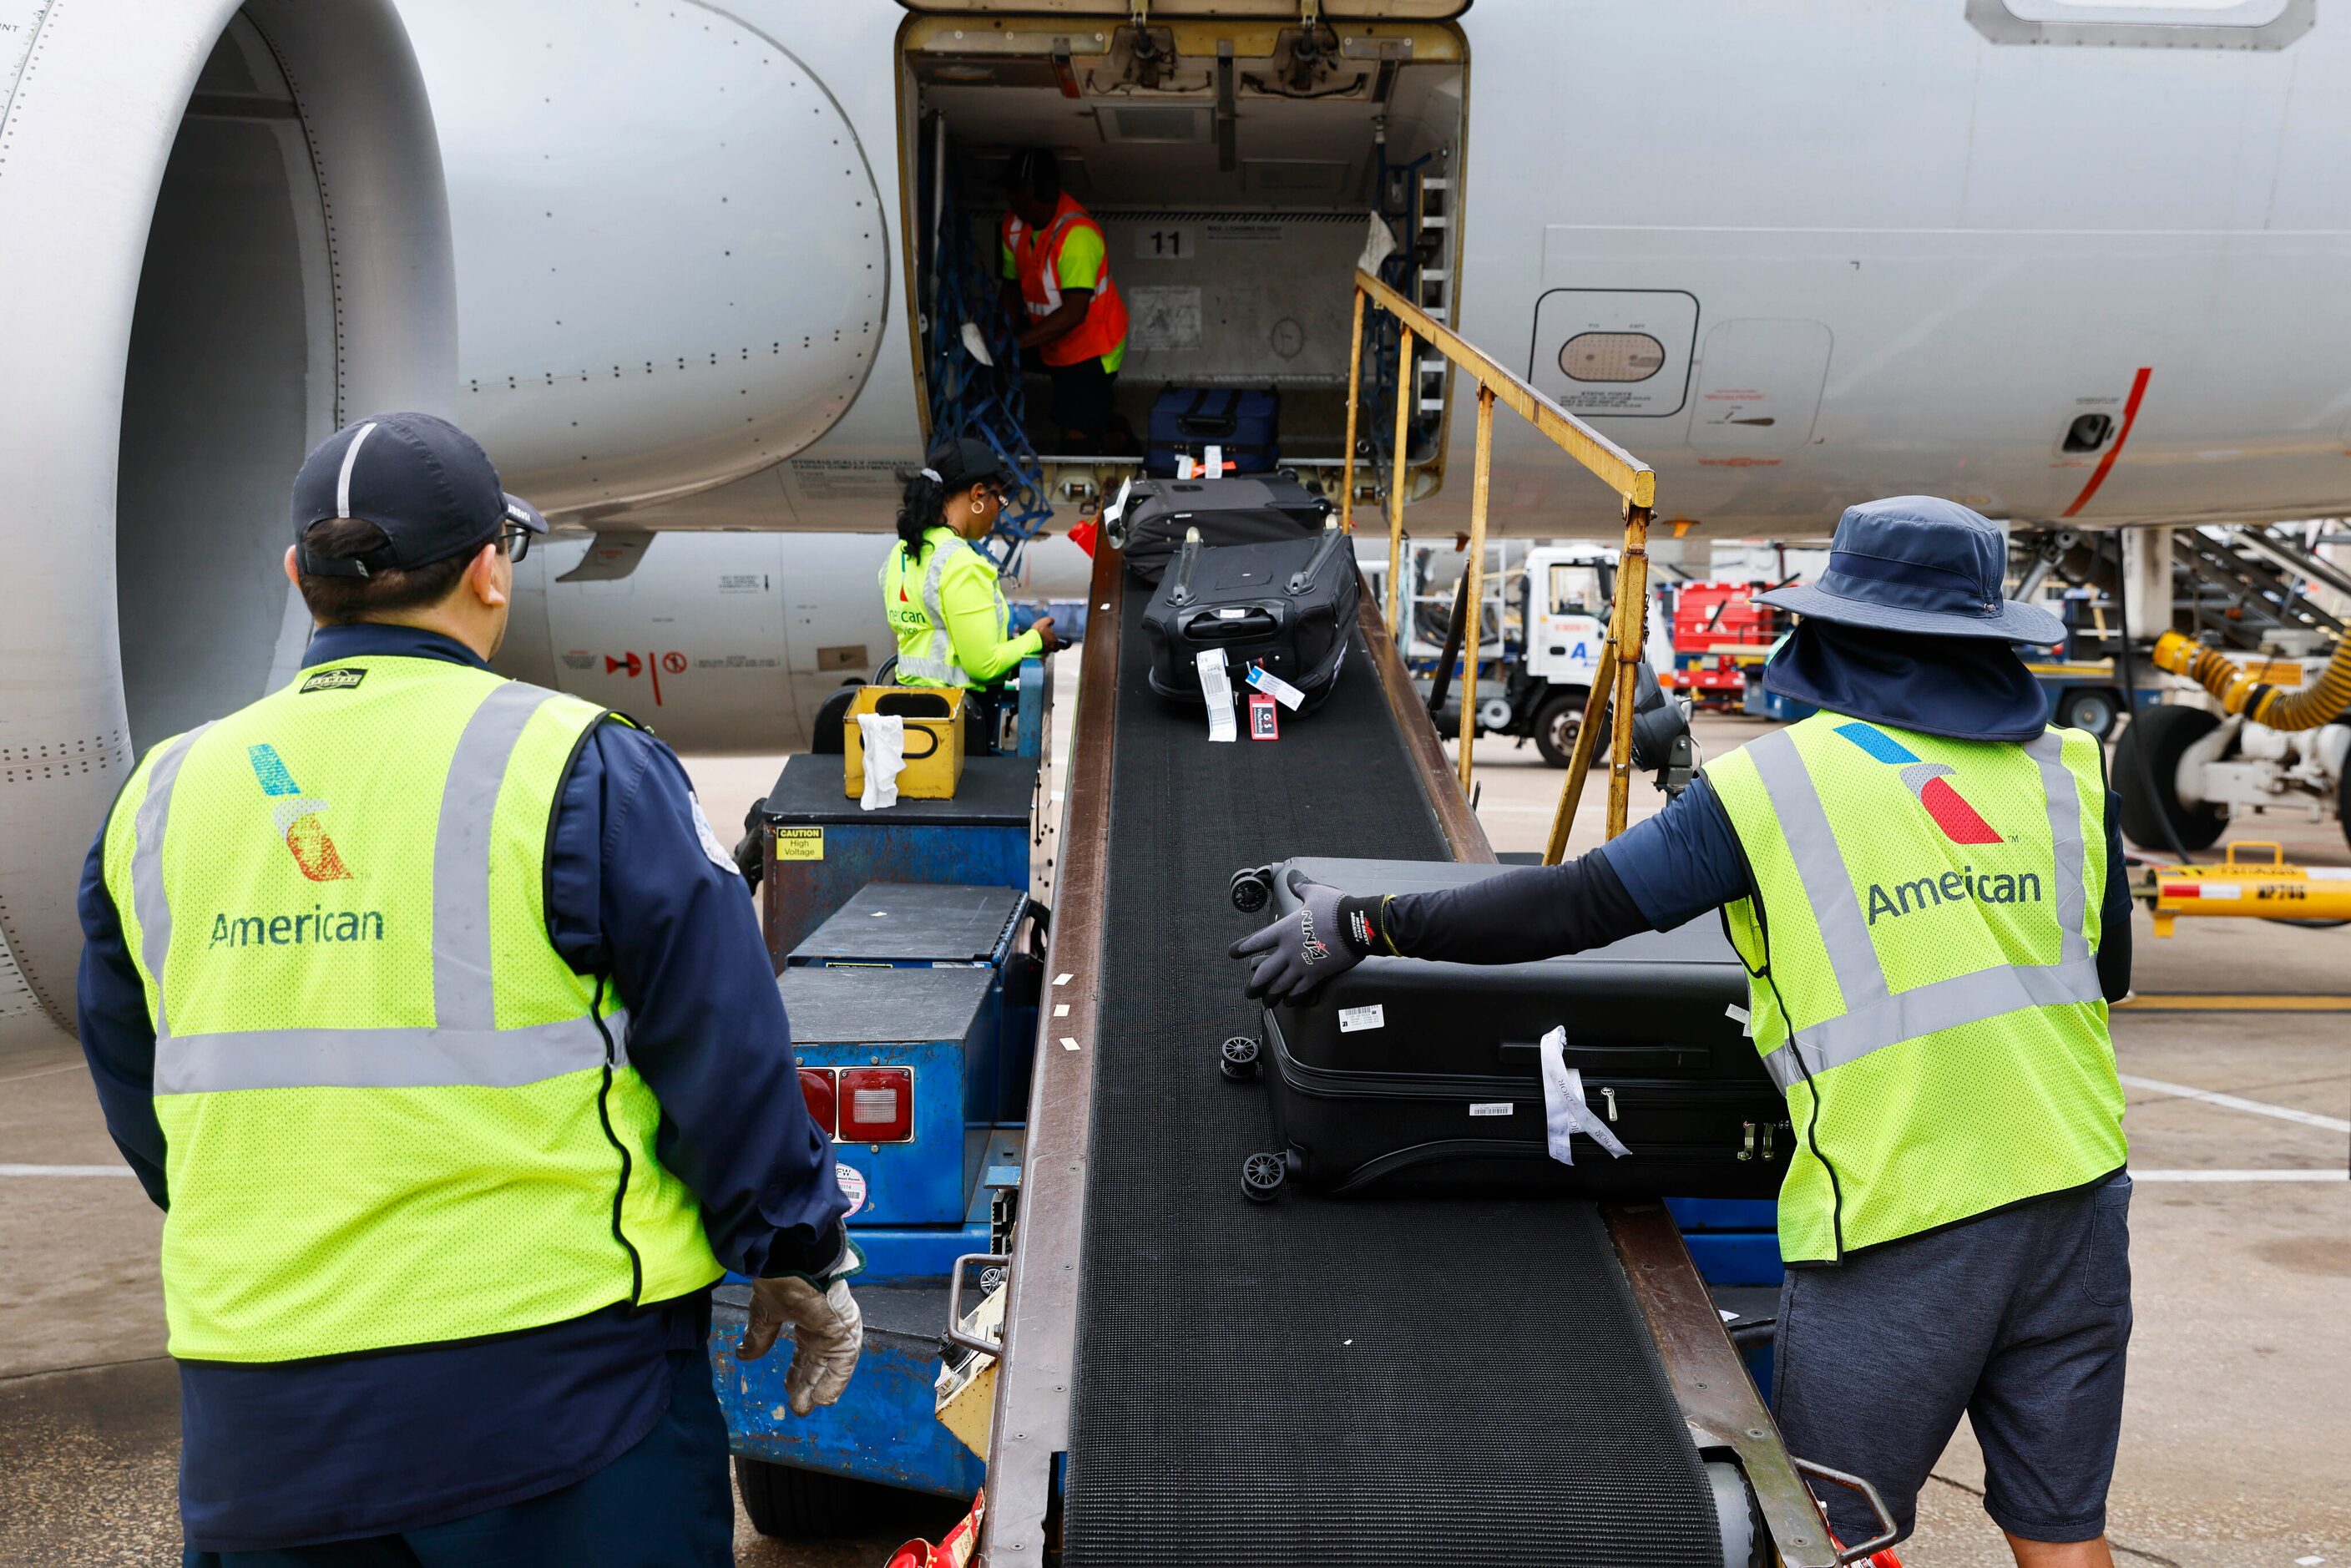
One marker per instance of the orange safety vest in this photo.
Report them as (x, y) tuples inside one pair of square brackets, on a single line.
[(1040, 263)]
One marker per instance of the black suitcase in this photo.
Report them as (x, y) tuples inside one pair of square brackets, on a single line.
[(1287, 606), (1414, 1076), (1245, 426), (1158, 514)]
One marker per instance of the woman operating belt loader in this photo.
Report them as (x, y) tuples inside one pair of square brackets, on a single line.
[(941, 593)]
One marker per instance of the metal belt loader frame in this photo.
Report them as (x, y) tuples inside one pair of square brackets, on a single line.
[(1029, 1437), (1631, 478)]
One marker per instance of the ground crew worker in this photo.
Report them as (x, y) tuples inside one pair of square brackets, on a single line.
[(427, 1005), (942, 594), (1058, 287), (1926, 884)]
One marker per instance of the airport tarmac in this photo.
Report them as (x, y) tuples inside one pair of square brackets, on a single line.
[(2236, 1440)]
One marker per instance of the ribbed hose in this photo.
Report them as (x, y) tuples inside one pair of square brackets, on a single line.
[(2263, 704)]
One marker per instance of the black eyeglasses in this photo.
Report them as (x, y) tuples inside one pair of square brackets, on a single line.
[(516, 540)]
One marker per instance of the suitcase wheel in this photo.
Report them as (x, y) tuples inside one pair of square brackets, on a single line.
[(1252, 888), (1261, 1176), (1238, 1058)]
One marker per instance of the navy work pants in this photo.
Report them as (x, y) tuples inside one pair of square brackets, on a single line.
[(666, 1503)]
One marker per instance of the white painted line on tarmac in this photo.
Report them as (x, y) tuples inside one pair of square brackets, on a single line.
[(2139, 1175), (42, 1073), (2283, 1112), (8, 1170)]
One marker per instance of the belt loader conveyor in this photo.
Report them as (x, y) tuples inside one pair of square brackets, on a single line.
[(1188, 1377)]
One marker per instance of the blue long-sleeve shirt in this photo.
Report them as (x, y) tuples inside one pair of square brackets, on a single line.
[(302, 1451)]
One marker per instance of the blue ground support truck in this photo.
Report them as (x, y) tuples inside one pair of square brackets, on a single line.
[(908, 950)]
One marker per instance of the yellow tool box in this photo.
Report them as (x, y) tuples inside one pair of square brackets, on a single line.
[(965, 1395), (933, 719), (2269, 890)]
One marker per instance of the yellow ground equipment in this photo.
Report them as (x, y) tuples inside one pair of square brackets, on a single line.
[(933, 717), (2252, 689), (2269, 890), (965, 1395)]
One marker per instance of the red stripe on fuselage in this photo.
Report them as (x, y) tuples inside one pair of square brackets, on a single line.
[(2130, 416)]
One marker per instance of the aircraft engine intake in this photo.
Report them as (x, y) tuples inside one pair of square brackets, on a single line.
[(227, 232)]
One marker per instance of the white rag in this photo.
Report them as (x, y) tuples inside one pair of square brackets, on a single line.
[(883, 738), (1565, 1113), (975, 345)]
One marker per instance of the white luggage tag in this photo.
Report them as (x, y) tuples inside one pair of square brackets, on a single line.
[(1217, 686), (1564, 1111), (1274, 686)]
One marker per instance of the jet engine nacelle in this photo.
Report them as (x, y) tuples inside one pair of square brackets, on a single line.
[(223, 231)]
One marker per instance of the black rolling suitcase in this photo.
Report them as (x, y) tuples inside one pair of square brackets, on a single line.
[(1407, 1075), (1245, 426), (1159, 513), (1287, 607)]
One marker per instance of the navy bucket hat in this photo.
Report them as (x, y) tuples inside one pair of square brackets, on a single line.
[(1922, 565)]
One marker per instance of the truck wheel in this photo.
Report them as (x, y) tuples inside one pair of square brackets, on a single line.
[(2146, 774), (1556, 723), (2093, 708), (807, 1505)]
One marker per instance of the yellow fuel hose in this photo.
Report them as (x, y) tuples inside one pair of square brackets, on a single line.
[(2322, 703)]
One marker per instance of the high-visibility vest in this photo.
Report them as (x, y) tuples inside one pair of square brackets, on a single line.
[(911, 589), (1926, 917), (395, 1115), (1037, 259)]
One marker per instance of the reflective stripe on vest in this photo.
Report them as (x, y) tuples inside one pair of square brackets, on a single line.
[(939, 665), (465, 1047), (1872, 1019)]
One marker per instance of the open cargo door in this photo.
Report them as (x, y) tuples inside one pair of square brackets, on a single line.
[(1240, 158)]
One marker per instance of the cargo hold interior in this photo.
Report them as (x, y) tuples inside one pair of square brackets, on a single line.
[(1240, 169)]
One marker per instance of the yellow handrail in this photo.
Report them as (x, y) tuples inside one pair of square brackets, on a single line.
[(1632, 479)]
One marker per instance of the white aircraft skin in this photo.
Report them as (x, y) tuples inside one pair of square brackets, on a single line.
[(1919, 238)]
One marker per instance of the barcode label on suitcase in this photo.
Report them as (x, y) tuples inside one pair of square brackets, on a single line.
[(1352, 1018), (1491, 1107)]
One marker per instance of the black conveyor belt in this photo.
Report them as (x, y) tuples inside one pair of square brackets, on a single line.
[(1323, 1381)]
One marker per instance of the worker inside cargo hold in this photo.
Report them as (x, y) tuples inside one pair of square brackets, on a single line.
[(1926, 884), (425, 1005), (1069, 317), (940, 590)]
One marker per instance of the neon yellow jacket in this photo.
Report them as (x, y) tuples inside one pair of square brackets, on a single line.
[(948, 612)]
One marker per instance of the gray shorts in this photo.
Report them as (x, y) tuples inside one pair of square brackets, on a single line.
[(2021, 1319)]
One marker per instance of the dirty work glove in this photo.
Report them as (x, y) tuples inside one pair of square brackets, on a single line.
[(1326, 936), (828, 1330)]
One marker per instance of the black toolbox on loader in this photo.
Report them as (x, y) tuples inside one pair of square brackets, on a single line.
[(1407, 1075), (1289, 607)]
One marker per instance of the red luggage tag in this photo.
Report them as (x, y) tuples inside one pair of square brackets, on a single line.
[(1264, 722)]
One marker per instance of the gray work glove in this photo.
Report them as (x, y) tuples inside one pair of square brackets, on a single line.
[(1326, 936), (828, 1330)]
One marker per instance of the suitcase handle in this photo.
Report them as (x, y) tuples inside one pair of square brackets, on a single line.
[(1192, 422), (1304, 578), (1213, 625), (1179, 593)]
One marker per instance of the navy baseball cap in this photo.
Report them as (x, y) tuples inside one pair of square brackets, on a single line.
[(426, 483), (1922, 565)]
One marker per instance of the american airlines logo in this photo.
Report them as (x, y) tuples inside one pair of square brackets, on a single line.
[(297, 816)]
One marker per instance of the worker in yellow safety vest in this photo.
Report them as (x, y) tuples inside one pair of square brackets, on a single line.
[(1069, 315), (430, 1010), (1925, 883), (940, 590)]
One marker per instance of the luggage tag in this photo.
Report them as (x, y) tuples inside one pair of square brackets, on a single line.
[(1217, 686), (1564, 1111), (1274, 686), (1264, 724)]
